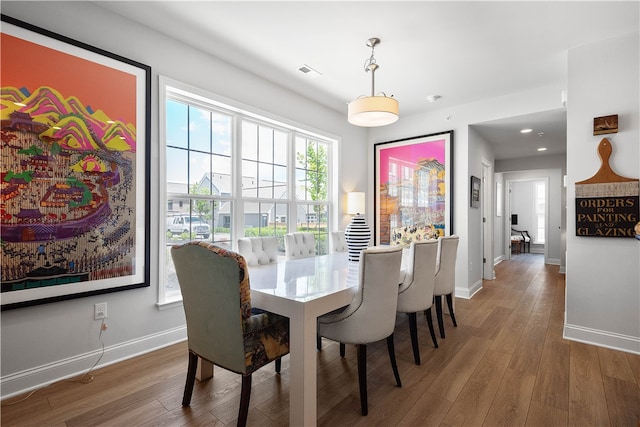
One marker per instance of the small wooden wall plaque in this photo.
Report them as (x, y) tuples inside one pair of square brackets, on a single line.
[(606, 124), (607, 204)]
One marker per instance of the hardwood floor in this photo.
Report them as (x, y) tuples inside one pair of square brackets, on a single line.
[(506, 364)]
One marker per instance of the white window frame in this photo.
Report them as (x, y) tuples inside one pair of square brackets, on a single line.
[(539, 236), (198, 96)]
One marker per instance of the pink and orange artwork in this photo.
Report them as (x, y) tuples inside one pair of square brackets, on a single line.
[(68, 187), (412, 181)]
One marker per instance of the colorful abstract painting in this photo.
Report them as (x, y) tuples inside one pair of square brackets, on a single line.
[(413, 189), (73, 180)]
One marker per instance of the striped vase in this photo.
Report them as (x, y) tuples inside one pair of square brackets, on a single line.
[(357, 234)]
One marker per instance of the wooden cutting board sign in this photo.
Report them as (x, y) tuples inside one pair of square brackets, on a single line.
[(607, 204)]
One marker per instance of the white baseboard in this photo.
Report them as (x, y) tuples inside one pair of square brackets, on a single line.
[(498, 260), (600, 338), (34, 378), (467, 293), (563, 269), (553, 261)]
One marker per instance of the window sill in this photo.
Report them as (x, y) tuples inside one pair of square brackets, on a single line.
[(168, 304)]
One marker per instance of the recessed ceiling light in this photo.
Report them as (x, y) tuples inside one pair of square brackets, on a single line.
[(526, 130), (542, 149), (433, 98)]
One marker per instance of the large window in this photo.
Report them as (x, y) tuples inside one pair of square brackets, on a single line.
[(229, 173)]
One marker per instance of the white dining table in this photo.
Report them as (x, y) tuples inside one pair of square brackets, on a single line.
[(303, 289)]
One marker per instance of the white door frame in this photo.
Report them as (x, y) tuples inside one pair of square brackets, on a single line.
[(507, 222), (486, 240)]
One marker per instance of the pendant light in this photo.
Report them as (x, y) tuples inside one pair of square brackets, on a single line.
[(374, 110)]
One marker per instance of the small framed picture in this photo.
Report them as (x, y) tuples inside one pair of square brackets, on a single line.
[(605, 124), (475, 192)]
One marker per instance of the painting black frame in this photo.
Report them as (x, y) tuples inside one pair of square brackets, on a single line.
[(474, 191), (416, 143), (140, 269)]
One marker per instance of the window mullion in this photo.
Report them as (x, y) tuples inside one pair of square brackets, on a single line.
[(291, 171), (236, 179)]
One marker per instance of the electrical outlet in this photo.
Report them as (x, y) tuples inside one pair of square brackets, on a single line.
[(100, 311)]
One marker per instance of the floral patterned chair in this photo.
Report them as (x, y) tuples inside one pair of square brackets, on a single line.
[(222, 328)]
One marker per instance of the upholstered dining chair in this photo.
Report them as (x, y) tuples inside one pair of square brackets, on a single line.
[(415, 293), (222, 327), (299, 245), (371, 315), (258, 250), (445, 279), (338, 242)]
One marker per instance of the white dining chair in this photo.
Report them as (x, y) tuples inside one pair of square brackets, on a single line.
[(338, 242), (445, 280), (299, 245), (415, 293), (258, 250), (371, 315)]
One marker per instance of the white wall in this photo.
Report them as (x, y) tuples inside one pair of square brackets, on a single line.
[(557, 161), (44, 343), (603, 274), (480, 151)]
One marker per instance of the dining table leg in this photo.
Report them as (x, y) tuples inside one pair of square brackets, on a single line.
[(302, 362)]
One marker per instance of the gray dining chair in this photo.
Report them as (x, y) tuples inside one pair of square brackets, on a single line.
[(445, 280), (415, 293), (371, 315)]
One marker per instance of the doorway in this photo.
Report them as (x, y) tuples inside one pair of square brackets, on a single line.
[(528, 201)]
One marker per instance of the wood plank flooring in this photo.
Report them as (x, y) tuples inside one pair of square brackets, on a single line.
[(506, 364)]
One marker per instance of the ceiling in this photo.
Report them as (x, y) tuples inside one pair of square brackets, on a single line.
[(462, 51)]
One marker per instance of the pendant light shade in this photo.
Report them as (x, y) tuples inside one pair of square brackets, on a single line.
[(374, 110)]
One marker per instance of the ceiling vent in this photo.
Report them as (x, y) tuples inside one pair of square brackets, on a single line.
[(308, 71)]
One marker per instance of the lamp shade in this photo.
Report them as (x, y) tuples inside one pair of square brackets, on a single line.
[(355, 203), (373, 111)]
